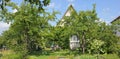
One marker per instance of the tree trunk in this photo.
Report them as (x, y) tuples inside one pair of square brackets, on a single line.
[(27, 40), (83, 43)]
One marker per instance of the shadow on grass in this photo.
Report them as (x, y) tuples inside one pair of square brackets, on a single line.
[(0, 55), (43, 52), (55, 53)]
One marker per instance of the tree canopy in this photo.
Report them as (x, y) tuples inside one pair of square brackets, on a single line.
[(28, 27)]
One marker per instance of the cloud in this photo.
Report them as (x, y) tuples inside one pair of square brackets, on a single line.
[(14, 11), (3, 26), (51, 5), (106, 10)]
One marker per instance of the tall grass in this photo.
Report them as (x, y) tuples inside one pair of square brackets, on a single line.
[(9, 54)]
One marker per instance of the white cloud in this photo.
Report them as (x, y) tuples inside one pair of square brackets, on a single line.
[(51, 5), (106, 10), (15, 10), (3, 26)]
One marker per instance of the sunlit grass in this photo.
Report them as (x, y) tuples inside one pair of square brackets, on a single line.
[(9, 54)]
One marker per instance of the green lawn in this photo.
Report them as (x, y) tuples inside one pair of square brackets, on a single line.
[(57, 55), (108, 56)]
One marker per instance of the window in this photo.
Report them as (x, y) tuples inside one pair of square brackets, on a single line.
[(74, 38)]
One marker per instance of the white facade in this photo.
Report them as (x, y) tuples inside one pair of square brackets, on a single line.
[(68, 13), (74, 42)]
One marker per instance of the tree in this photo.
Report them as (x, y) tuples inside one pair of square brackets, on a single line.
[(28, 27), (58, 36), (32, 2)]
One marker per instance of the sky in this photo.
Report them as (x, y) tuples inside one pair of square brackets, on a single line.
[(107, 10)]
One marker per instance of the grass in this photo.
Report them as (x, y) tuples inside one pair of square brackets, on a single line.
[(9, 55), (64, 54), (38, 57), (108, 56), (111, 56), (55, 55)]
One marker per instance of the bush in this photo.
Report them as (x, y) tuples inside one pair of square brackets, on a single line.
[(119, 53)]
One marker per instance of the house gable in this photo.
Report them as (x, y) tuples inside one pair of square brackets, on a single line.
[(67, 13), (118, 18), (116, 22)]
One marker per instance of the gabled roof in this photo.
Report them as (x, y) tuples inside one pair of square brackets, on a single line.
[(69, 8), (116, 19)]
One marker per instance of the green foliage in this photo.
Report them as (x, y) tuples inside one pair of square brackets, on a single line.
[(96, 45), (39, 3), (29, 27)]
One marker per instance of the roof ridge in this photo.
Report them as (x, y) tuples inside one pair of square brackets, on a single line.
[(115, 19)]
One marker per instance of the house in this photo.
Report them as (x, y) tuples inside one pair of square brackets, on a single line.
[(117, 32), (118, 18), (74, 39)]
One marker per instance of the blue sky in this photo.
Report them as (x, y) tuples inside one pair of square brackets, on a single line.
[(107, 10)]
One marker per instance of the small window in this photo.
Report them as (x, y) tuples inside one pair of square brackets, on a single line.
[(74, 38)]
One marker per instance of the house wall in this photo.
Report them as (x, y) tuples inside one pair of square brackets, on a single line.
[(66, 14), (74, 42), (117, 33)]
